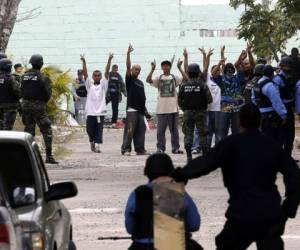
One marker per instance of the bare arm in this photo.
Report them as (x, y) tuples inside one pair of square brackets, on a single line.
[(128, 60), (207, 62), (250, 55), (222, 58), (203, 52), (240, 60), (216, 69), (149, 77), (84, 67), (186, 60), (183, 73), (107, 69)]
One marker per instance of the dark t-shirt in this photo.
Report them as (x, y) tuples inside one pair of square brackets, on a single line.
[(136, 98)]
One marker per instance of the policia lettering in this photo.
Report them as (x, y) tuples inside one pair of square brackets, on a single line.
[(9, 95), (36, 92)]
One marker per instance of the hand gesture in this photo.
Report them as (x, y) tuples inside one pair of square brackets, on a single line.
[(185, 53), (202, 50), (82, 57), (130, 49), (223, 49), (153, 65), (243, 55), (210, 52), (111, 56), (179, 63), (249, 47)]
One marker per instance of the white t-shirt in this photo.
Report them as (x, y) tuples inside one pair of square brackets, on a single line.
[(216, 94), (96, 103), (167, 94)]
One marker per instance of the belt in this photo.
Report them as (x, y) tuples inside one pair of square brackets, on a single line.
[(144, 241)]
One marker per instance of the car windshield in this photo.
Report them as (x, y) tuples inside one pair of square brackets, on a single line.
[(16, 170)]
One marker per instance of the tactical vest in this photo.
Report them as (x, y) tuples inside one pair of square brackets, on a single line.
[(114, 83), (7, 95), (287, 92), (194, 95), (167, 88), (33, 87), (143, 216), (262, 100), (248, 89)]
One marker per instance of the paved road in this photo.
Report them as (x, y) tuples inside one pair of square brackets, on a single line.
[(105, 181)]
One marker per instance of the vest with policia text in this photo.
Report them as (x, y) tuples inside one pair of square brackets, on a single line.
[(7, 94), (287, 92), (193, 95), (143, 216), (33, 87), (167, 87), (261, 100)]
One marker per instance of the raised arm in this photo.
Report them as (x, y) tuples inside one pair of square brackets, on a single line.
[(238, 64), (203, 52), (107, 69), (183, 73), (216, 69), (250, 56), (128, 60), (222, 57), (186, 60), (149, 77), (207, 62), (84, 67)]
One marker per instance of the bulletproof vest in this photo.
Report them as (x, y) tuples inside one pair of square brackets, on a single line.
[(287, 92), (247, 93), (167, 87), (261, 100), (194, 95), (7, 95), (114, 82), (33, 87), (81, 90), (143, 216)]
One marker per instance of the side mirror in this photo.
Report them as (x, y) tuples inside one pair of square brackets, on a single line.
[(60, 191), (23, 196)]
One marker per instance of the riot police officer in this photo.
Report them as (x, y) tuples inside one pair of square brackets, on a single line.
[(9, 95), (194, 97), (36, 92)]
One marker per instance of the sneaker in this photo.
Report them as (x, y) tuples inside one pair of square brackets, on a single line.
[(142, 153), (50, 160), (196, 152), (125, 153), (97, 148), (93, 146), (160, 151), (177, 151)]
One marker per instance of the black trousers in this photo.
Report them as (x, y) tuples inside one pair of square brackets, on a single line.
[(238, 235), (288, 130), (271, 125), (94, 128), (114, 99)]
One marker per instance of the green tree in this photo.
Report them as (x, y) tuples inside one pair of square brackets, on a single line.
[(268, 26)]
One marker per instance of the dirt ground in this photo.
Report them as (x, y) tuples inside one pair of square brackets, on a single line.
[(105, 181)]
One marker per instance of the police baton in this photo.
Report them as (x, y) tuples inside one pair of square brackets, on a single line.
[(115, 238)]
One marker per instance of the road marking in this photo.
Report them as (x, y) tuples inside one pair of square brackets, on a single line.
[(110, 210)]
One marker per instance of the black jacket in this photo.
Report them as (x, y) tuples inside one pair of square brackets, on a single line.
[(250, 162)]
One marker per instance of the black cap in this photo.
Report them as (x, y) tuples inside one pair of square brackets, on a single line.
[(268, 70), (259, 69), (36, 60), (229, 67), (261, 61), (286, 61), (17, 65), (5, 65), (166, 62), (158, 164), (2, 55), (193, 70)]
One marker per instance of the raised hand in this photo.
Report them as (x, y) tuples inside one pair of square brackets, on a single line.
[(130, 49), (249, 47), (243, 55), (202, 50), (82, 57), (111, 56), (153, 65), (179, 63), (210, 52), (223, 49), (185, 53)]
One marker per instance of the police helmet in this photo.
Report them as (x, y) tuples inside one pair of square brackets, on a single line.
[(36, 60), (229, 68), (268, 70), (193, 70), (2, 55), (5, 65), (286, 61), (259, 69), (158, 164)]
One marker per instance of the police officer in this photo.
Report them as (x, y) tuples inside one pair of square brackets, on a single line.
[(194, 97), (36, 92), (273, 112), (255, 212), (258, 73), (284, 81), (9, 95)]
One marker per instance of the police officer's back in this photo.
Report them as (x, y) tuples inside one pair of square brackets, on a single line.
[(193, 98), (9, 95), (250, 163), (36, 92)]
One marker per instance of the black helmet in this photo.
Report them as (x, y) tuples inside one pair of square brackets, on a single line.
[(193, 70), (229, 68), (259, 69), (286, 61), (2, 55), (36, 60), (158, 164), (268, 70), (5, 65)]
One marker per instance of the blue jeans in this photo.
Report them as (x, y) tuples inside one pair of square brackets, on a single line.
[(225, 121)]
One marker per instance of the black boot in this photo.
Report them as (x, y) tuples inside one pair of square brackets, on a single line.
[(50, 160), (189, 155)]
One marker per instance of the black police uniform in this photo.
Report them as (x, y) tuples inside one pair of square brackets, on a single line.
[(9, 96), (255, 212)]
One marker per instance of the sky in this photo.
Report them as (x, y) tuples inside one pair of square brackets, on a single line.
[(199, 2)]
